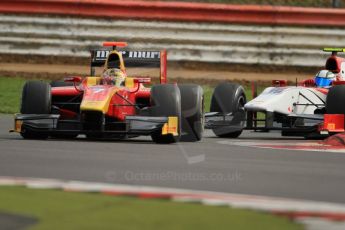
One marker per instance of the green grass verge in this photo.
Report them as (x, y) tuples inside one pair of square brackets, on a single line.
[(67, 210), (209, 90), (10, 93), (11, 90)]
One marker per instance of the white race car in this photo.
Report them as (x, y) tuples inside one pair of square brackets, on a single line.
[(314, 108)]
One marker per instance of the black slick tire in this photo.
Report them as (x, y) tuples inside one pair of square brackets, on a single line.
[(227, 98), (192, 105), (36, 99), (166, 101)]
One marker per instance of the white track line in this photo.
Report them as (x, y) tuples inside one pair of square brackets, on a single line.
[(286, 145)]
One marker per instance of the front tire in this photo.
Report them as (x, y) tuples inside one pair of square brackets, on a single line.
[(192, 104), (227, 98), (36, 99), (166, 101)]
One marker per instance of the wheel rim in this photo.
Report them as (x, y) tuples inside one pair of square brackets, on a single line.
[(241, 103)]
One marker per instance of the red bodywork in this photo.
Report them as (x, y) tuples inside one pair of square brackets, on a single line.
[(333, 63), (333, 123), (121, 104)]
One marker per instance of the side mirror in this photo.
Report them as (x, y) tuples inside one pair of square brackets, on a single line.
[(130, 82), (75, 79), (142, 80), (279, 83)]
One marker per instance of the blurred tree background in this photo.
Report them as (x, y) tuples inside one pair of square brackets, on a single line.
[(301, 3)]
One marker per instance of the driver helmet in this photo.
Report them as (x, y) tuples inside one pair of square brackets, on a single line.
[(324, 78), (113, 76)]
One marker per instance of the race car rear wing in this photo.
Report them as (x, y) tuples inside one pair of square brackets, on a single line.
[(334, 51), (133, 59)]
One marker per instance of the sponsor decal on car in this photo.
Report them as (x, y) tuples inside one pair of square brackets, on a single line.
[(103, 54)]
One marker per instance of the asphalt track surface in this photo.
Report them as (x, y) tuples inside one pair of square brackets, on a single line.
[(206, 165), (11, 221)]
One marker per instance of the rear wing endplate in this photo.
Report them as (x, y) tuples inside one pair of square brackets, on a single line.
[(133, 59)]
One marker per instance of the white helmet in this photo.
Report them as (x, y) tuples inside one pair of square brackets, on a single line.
[(113, 76)]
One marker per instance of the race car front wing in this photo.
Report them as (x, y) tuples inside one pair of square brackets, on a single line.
[(133, 125), (233, 121), (290, 125)]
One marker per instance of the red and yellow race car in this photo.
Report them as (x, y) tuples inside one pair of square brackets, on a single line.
[(113, 105)]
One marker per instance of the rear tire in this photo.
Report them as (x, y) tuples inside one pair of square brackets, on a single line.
[(36, 99), (166, 101), (227, 97), (192, 104), (334, 105), (335, 100)]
